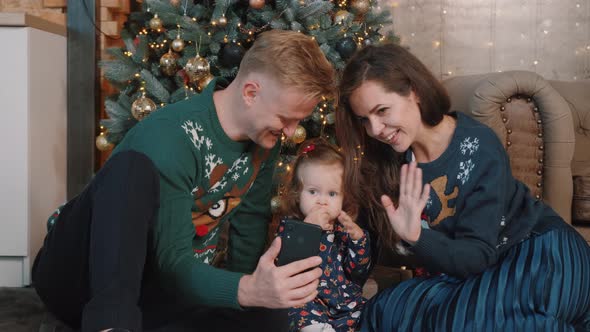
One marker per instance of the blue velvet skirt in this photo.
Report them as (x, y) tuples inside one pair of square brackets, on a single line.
[(541, 284)]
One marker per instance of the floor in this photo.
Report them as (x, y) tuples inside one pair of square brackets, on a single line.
[(20, 310)]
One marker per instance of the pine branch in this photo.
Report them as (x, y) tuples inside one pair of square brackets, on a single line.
[(142, 49), (118, 71), (116, 111), (314, 9), (178, 95), (160, 7), (154, 87), (128, 40)]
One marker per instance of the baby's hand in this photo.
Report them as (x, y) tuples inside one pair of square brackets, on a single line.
[(350, 227), (320, 216)]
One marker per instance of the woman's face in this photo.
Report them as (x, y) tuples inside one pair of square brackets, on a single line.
[(387, 116)]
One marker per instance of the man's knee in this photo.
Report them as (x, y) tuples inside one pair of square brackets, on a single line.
[(130, 176), (133, 167)]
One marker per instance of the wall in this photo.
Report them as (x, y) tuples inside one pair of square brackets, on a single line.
[(51, 10), (456, 37)]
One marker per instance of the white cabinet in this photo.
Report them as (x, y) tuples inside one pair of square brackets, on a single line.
[(33, 123)]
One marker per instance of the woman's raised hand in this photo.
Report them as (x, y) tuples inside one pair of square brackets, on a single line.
[(405, 219)]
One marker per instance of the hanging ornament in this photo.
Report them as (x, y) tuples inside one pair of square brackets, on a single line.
[(360, 7), (156, 23), (367, 42), (316, 116), (231, 55), (222, 21), (346, 47), (331, 118), (142, 107), (275, 204), (256, 4), (197, 68), (204, 82), (102, 143), (299, 135), (168, 64), (341, 16), (175, 3), (177, 44)]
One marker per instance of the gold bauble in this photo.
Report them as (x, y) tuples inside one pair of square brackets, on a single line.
[(175, 3), (102, 143), (168, 63), (360, 7), (299, 135), (197, 68), (142, 107), (340, 16), (256, 4), (222, 21), (275, 204), (177, 44), (204, 82), (156, 23)]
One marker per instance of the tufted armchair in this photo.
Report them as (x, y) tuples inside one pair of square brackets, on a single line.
[(545, 128)]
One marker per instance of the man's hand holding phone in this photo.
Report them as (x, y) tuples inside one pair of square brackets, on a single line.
[(286, 286)]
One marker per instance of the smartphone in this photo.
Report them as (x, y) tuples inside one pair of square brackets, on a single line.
[(300, 240)]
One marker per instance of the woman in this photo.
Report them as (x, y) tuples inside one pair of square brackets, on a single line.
[(504, 260)]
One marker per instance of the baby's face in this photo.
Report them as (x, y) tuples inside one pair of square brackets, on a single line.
[(322, 187)]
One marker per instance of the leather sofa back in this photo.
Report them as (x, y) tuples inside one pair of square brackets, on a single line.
[(533, 121)]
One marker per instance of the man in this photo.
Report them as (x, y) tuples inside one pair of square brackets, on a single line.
[(134, 249)]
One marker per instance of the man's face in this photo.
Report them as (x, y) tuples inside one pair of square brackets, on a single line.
[(274, 110)]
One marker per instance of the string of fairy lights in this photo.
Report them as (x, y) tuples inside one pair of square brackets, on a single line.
[(553, 37)]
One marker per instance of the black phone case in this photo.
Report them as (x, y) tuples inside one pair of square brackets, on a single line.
[(300, 240)]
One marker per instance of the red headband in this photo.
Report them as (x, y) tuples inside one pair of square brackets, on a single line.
[(308, 148)]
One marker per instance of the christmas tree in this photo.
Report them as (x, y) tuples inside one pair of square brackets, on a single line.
[(174, 48)]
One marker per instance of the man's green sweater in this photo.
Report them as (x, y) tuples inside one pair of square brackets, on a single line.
[(206, 180)]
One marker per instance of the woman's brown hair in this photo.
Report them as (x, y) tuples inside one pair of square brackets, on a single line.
[(372, 168), (312, 151)]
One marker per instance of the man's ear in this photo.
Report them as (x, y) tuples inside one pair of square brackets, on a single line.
[(250, 92)]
